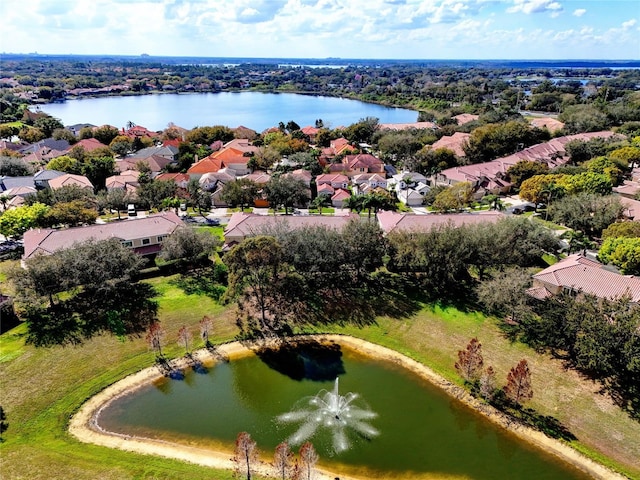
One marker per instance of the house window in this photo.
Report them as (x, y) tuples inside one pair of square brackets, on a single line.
[(127, 244), (161, 238), (146, 241)]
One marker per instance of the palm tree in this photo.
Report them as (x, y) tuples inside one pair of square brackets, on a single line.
[(552, 191), (321, 201), (355, 202)]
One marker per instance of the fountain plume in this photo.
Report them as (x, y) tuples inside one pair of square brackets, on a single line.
[(330, 410)]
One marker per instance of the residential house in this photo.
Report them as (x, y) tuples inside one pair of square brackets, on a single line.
[(301, 174), (180, 179), (242, 225), (410, 197), (310, 132), (69, 179), (138, 131), (88, 144), (168, 152), (339, 197), (365, 182), (631, 208), (213, 180), (356, 164), (549, 123), (155, 163), (577, 274), (41, 179), (395, 222), (339, 146), (408, 126), (143, 235), (404, 180), (463, 118), (336, 180), (490, 177), (75, 128), (127, 180), (9, 183), (455, 143)]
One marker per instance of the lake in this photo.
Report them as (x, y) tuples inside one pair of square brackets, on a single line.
[(422, 432), (255, 110)]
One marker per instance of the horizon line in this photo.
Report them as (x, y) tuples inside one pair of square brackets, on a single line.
[(145, 55)]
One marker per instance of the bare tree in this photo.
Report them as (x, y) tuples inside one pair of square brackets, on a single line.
[(206, 326), (518, 388), (488, 383), (246, 455), (308, 459), (469, 364), (155, 337), (184, 338), (283, 466)]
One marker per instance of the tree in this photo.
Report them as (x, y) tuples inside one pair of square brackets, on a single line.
[(469, 364), (623, 252), (245, 456), (72, 214), (98, 169), (500, 139), (286, 191), (105, 134), (121, 145), (208, 135), (256, 271), (184, 338), (117, 199), (4, 425), (505, 293), (518, 388), (188, 244), (16, 221), (622, 229), (454, 198), (14, 167), (240, 193), (154, 192), (308, 461), (200, 199), (206, 327), (524, 170), (362, 131), (48, 124), (283, 466), (155, 338), (488, 384), (321, 201), (588, 213), (66, 164), (95, 291)]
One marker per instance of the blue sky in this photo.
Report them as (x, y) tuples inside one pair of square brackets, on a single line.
[(416, 29)]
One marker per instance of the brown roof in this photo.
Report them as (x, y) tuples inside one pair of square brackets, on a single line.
[(48, 241), (549, 123), (453, 142), (393, 221), (407, 126), (588, 276), (465, 118), (69, 179), (242, 224)]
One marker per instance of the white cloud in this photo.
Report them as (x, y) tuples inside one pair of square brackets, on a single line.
[(535, 6), (579, 12), (629, 24)]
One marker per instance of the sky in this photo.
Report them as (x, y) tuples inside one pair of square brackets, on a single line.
[(385, 29)]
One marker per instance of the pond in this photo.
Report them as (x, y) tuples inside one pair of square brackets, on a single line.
[(255, 110), (423, 432)]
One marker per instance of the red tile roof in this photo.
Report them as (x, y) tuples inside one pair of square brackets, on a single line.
[(588, 276), (393, 221)]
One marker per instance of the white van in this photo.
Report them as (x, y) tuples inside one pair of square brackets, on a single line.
[(131, 210)]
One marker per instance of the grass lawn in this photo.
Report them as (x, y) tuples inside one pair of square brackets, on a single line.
[(42, 388)]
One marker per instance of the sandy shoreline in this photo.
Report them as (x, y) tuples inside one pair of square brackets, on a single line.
[(84, 427)]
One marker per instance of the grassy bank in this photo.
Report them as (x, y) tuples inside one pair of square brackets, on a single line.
[(42, 388)]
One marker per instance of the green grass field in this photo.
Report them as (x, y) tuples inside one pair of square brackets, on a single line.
[(42, 388)]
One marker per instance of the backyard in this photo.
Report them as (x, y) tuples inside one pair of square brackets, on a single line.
[(43, 387)]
